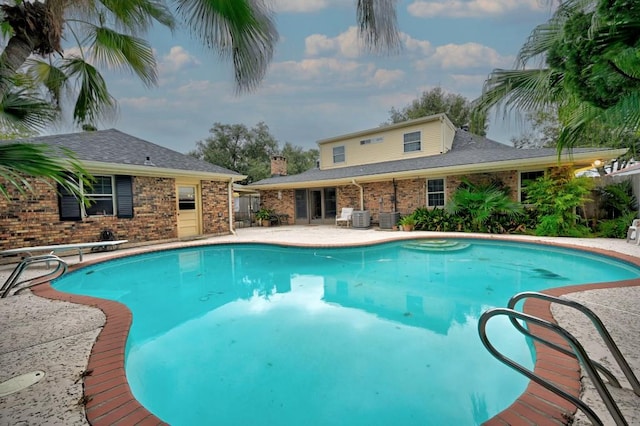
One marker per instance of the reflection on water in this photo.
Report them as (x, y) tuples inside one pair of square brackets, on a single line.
[(264, 335)]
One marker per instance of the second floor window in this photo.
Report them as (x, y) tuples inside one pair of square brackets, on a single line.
[(412, 142), (338, 154)]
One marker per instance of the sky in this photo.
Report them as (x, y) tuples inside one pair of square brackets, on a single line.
[(321, 83)]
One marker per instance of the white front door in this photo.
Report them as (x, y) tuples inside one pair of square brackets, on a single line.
[(188, 211)]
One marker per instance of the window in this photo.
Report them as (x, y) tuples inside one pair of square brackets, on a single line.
[(525, 178), (412, 142), (435, 193), (338, 154), (186, 198), (110, 195), (371, 140), (101, 196)]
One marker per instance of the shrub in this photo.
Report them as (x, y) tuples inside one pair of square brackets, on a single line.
[(484, 206), (556, 197), (616, 228), (438, 220)]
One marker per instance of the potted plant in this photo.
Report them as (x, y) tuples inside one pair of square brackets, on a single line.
[(263, 216), (407, 222)]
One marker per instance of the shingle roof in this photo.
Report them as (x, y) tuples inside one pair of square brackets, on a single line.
[(115, 147), (467, 148)]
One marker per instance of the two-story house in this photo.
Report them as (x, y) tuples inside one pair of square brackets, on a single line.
[(403, 166)]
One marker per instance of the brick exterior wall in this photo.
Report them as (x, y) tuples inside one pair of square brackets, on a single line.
[(34, 219), (378, 196), (215, 207), (282, 204)]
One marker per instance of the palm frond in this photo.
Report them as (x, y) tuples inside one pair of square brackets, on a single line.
[(378, 24), (23, 111), (539, 42), (52, 77), (132, 16), (240, 30), (520, 89), (93, 99), (117, 50), (18, 160)]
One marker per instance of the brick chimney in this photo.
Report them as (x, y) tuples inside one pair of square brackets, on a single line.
[(278, 165)]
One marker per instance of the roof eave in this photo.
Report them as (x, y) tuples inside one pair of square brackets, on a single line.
[(153, 171), (376, 130), (573, 159)]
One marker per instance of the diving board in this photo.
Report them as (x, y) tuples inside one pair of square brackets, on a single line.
[(62, 247)]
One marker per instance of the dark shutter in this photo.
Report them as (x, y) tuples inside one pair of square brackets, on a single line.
[(68, 205), (124, 197)]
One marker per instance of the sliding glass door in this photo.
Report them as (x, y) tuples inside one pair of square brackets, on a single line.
[(315, 206)]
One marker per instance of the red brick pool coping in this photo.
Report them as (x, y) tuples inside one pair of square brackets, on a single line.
[(109, 400)]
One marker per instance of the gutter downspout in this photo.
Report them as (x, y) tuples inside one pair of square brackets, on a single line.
[(230, 206), (353, 181)]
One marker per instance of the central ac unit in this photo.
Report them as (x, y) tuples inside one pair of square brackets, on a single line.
[(389, 220), (361, 219)]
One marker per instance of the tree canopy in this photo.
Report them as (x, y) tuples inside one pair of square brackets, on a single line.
[(590, 70), (249, 151), (435, 101)]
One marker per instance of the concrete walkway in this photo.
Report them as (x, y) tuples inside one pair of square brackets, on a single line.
[(56, 337)]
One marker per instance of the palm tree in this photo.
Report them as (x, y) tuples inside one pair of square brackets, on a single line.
[(585, 64), (480, 202), (107, 34)]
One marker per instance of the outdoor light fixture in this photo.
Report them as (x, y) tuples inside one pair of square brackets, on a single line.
[(597, 163)]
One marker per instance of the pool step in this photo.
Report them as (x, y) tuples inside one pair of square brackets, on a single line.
[(436, 245)]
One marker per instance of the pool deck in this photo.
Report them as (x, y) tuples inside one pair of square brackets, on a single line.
[(81, 350)]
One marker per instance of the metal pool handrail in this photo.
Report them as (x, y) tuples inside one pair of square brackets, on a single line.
[(12, 281), (602, 330), (580, 354)]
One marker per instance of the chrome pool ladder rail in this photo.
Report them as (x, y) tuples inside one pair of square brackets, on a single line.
[(579, 351), (12, 281), (600, 328)]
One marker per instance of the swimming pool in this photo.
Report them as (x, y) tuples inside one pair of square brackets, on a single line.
[(385, 334)]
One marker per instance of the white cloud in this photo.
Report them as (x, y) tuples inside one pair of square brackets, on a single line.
[(383, 77), (474, 81), (176, 60), (196, 87), (473, 8), (415, 45), (299, 6), (349, 45), (459, 56), (143, 102), (309, 69), (346, 44)]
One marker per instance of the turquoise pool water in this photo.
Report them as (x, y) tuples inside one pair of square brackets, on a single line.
[(376, 335)]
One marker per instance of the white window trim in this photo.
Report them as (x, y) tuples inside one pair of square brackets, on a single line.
[(444, 192), (112, 195), (344, 154), (404, 144)]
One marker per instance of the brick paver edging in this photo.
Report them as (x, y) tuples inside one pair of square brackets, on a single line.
[(110, 401)]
